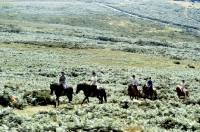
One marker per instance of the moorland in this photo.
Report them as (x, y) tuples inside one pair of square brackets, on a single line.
[(114, 38)]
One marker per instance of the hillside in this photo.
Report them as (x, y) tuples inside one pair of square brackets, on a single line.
[(114, 38)]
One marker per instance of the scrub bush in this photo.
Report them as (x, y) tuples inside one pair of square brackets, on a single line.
[(38, 97), (5, 100)]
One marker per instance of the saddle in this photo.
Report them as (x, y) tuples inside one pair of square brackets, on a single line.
[(64, 92)]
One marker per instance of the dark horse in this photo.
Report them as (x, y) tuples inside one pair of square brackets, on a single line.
[(180, 92), (149, 92), (59, 91), (132, 91), (91, 90)]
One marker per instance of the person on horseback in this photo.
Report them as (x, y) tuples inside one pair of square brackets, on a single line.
[(150, 84), (134, 83), (182, 86), (62, 80), (93, 82)]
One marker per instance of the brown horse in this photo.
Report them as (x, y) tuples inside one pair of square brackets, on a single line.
[(132, 92), (149, 92), (180, 92)]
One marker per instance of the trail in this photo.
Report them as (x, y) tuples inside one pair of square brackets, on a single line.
[(150, 18), (117, 10), (185, 12)]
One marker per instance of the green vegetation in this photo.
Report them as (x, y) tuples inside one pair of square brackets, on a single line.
[(82, 37), (38, 97)]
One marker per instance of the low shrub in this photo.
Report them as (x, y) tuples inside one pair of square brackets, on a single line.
[(176, 62), (38, 97), (190, 66), (5, 100), (11, 101)]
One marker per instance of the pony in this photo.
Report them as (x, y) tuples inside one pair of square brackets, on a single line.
[(180, 92), (59, 91), (132, 92), (91, 91), (148, 92)]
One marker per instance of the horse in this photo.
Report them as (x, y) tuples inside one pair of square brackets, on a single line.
[(132, 92), (60, 91), (148, 92), (91, 91), (180, 92)]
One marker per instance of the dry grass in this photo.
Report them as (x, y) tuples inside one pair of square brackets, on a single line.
[(107, 57), (132, 128), (30, 110), (186, 4)]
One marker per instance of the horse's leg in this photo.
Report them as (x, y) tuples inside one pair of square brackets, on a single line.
[(100, 99), (68, 99), (155, 94), (136, 95), (144, 94), (84, 99), (179, 94), (151, 95), (88, 99), (187, 93), (57, 98)]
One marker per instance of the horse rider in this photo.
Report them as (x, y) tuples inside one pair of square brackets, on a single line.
[(134, 83), (182, 86), (150, 84), (93, 82), (62, 80)]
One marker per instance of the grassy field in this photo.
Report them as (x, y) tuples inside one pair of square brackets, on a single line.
[(35, 47), (33, 67), (103, 19)]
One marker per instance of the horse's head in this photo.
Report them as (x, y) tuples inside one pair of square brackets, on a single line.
[(144, 86), (130, 87), (80, 87), (52, 87), (70, 93), (177, 89)]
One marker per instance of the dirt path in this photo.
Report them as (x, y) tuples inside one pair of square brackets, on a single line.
[(187, 5), (186, 13), (31, 110)]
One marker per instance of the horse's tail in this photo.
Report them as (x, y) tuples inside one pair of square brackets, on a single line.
[(155, 92), (104, 95), (187, 93), (70, 93)]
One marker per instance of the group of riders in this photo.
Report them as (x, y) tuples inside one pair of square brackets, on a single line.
[(93, 81)]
